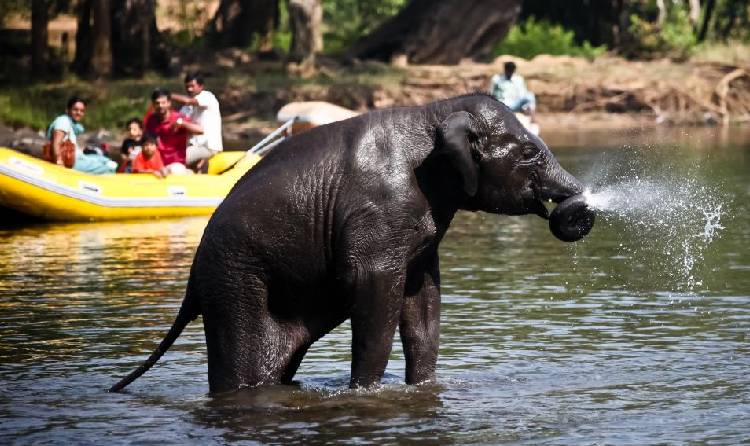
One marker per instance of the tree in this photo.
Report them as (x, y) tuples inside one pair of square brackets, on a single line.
[(136, 42), (694, 8), (39, 36), (707, 15), (440, 31), (93, 35), (118, 37), (84, 48), (101, 57), (305, 17), (600, 22), (733, 13), (348, 20), (237, 22), (662, 8)]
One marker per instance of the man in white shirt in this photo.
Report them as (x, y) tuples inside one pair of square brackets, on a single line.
[(510, 89), (202, 107)]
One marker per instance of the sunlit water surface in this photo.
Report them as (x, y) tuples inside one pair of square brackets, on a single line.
[(611, 340)]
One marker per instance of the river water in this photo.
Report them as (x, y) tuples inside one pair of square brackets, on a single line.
[(631, 336)]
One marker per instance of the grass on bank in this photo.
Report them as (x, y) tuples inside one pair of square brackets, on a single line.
[(729, 53), (25, 102), (111, 103)]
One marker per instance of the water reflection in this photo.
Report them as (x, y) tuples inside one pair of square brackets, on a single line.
[(285, 414), (75, 273), (541, 342)]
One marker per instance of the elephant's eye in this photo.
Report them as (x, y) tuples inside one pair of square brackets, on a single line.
[(529, 152)]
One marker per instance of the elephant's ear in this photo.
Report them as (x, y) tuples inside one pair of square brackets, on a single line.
[(456, 132)]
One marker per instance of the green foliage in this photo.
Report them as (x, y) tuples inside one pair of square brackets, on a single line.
[(345, 21), (37, 104), (282, 36), (730, 21), (111, 103), (533, 37), (675, 38)]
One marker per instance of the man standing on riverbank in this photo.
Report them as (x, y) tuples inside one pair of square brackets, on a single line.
[(170, 127), (202, 107)]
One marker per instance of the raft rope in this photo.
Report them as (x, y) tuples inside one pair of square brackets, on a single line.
[(268, 142)]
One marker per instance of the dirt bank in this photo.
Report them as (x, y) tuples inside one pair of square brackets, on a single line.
[(573, 94)]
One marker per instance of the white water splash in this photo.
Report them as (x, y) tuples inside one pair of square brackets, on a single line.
[(666, 222)]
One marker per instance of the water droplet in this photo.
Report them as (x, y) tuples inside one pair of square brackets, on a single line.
[(666, 217)]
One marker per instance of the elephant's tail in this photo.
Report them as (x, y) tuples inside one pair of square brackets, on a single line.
[(188, 312)]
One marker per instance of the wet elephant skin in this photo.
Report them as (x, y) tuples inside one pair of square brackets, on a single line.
[(344, 222)]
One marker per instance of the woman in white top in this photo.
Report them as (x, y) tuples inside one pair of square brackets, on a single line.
[(67, 127)]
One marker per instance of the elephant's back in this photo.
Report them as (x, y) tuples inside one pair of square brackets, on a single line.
[(278, 216)]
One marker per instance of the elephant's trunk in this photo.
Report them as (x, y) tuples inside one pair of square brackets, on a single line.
[(572, 219), (557, 184)]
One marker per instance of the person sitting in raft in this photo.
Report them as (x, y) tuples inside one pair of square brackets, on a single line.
[(170, 128), (132, 145), (510, 89), (148, 159), (63, 131)]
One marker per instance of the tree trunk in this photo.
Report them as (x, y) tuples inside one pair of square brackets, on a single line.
[(39, 36), (236, 22), (732, 14), (662, 8), (136, 44), (440, 31), (694, 14), (305, 17), (101, 60), (706, 19), (84, 47), (620, 23)]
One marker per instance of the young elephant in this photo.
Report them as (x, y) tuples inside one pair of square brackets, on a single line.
[(343, 222)]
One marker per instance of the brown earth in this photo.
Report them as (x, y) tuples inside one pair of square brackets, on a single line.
[(572, 93)]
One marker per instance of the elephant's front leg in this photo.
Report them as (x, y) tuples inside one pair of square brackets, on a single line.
[(375, 314), (420, 323)]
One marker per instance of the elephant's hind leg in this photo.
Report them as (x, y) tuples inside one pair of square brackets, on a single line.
[(252, 351), (243, 342)]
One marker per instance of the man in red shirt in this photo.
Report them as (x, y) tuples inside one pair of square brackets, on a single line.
[(170, 128)]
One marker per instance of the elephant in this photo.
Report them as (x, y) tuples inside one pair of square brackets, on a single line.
[(343, 222)]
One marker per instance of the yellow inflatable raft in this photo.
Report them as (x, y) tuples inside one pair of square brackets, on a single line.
[(41, 189)]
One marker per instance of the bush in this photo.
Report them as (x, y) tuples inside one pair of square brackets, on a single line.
[(675, 38), (345, 21), (534, 37)]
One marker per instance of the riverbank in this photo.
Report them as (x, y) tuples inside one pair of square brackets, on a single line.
[(573, 94)]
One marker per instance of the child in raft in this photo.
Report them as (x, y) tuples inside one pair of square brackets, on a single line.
[(131, 146), (148, 159)]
